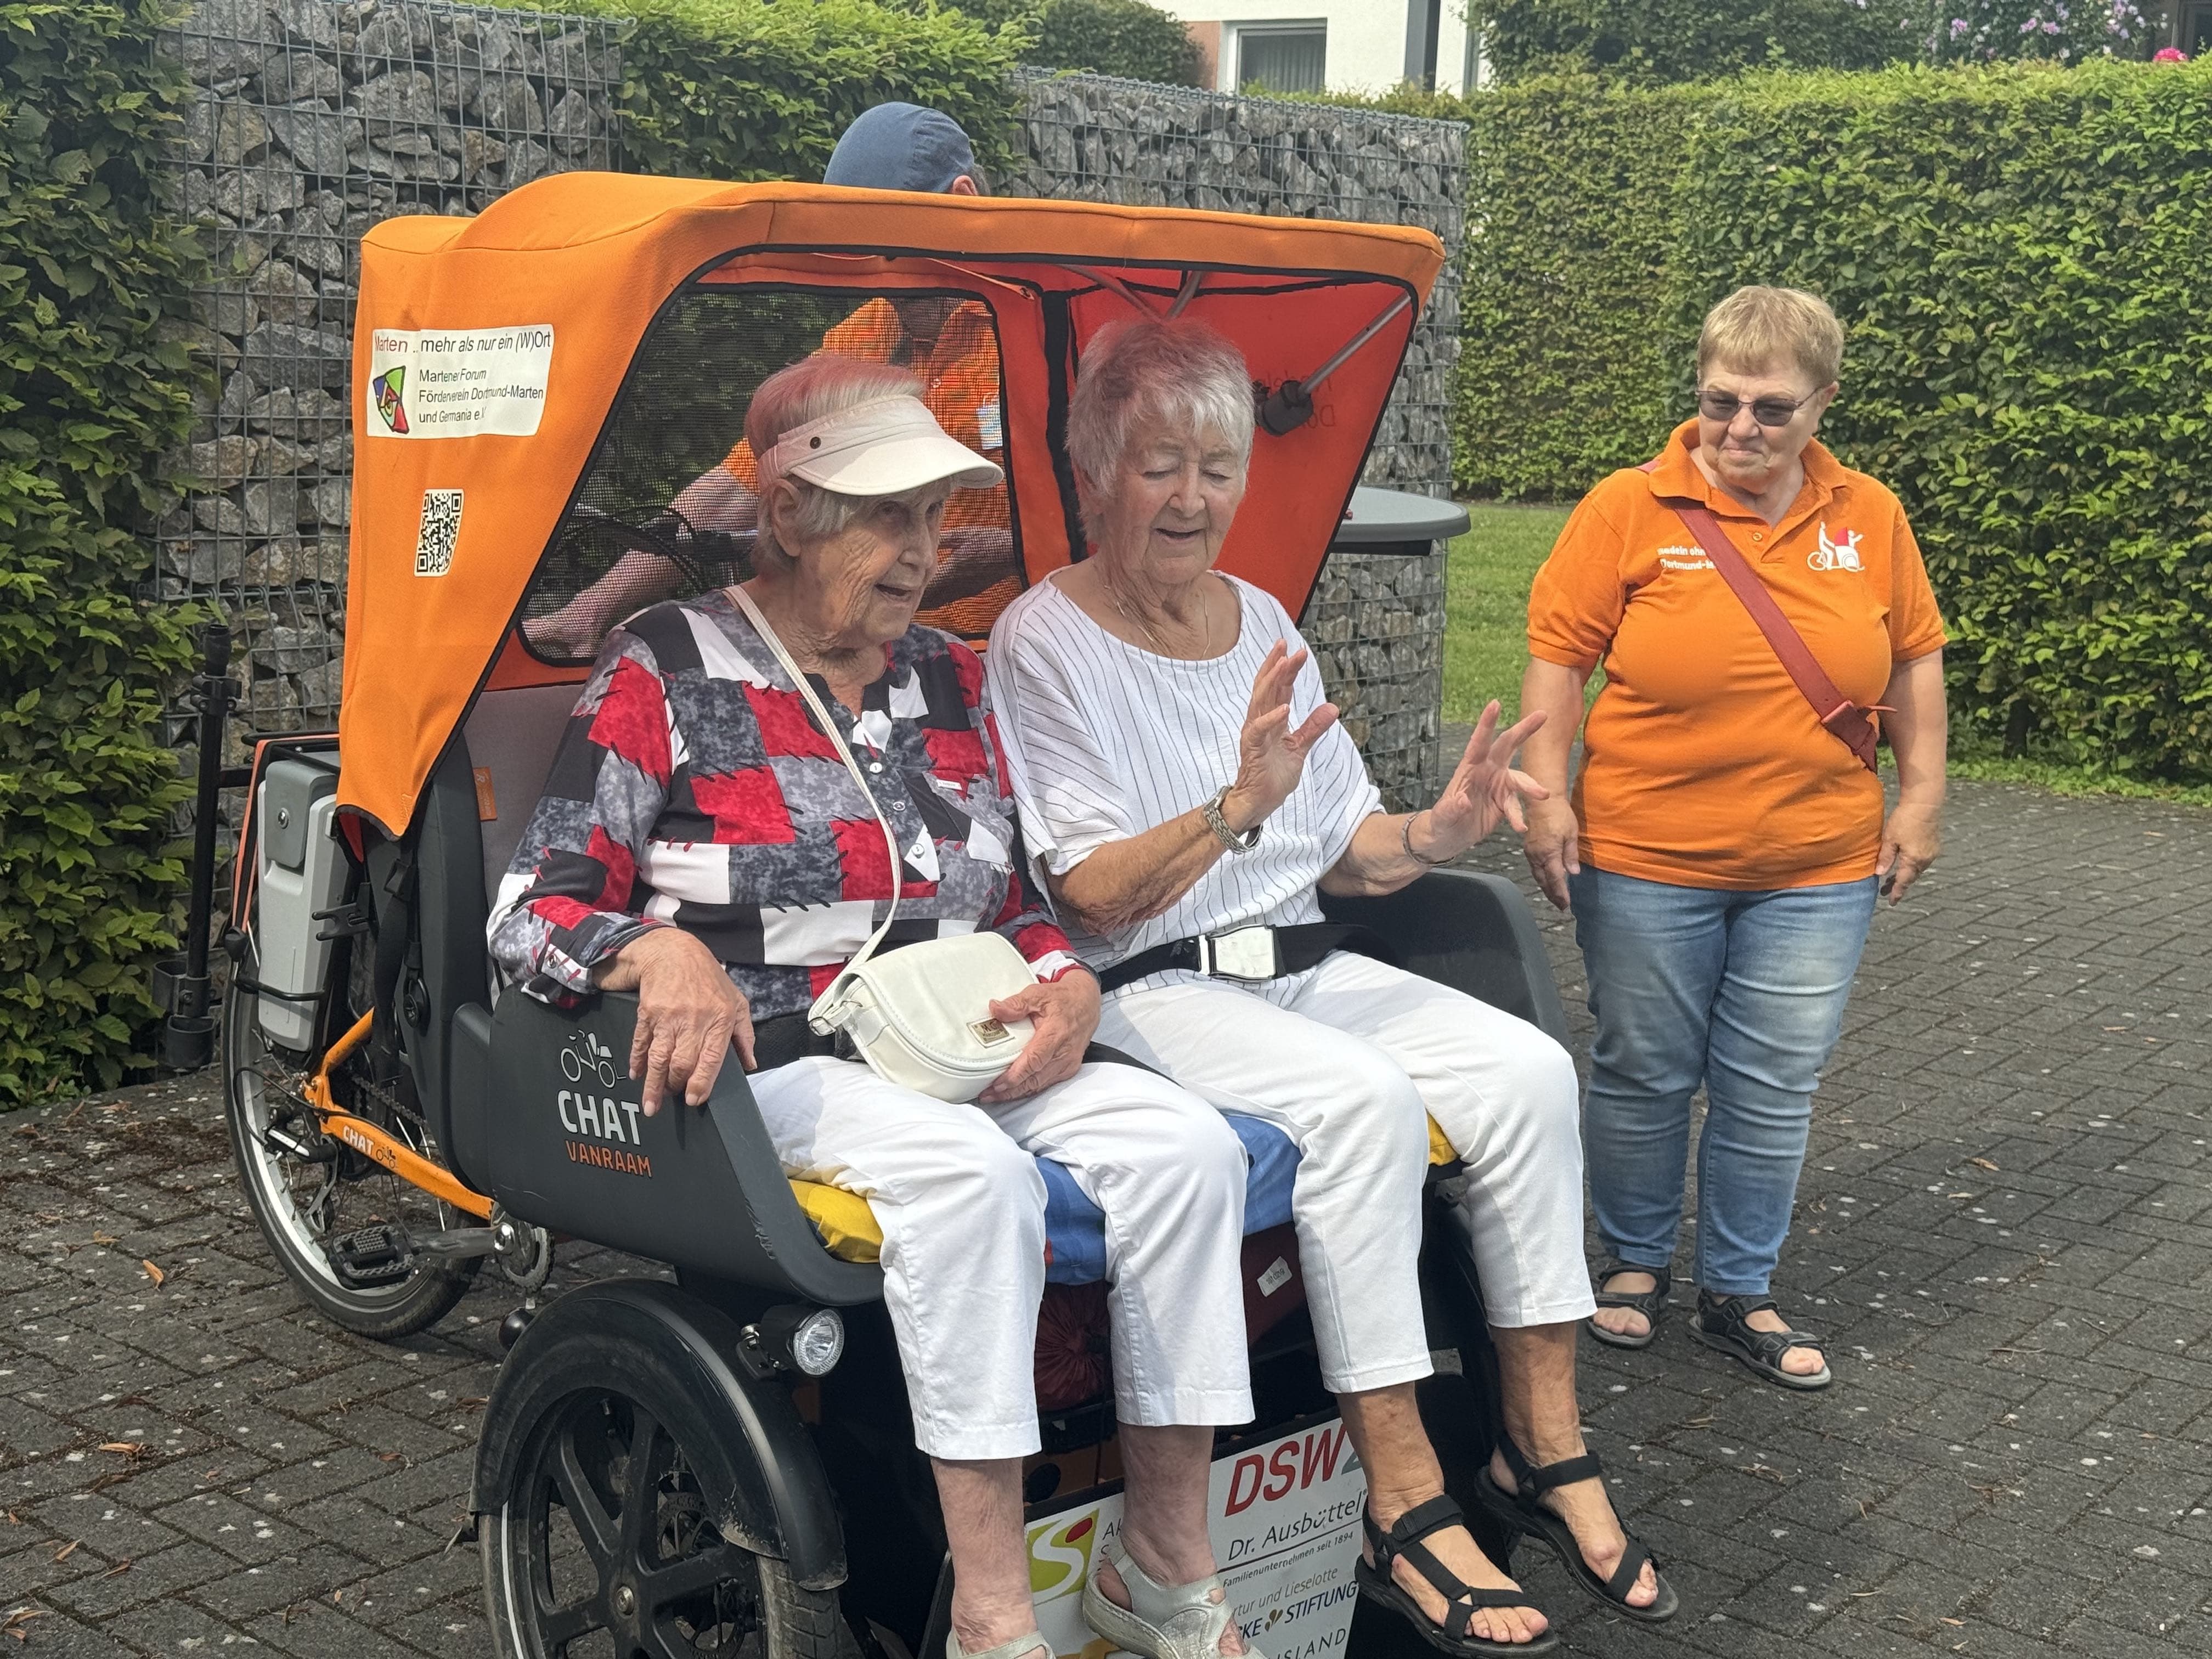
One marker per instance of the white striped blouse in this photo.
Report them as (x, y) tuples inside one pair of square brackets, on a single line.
[(1105, 740)]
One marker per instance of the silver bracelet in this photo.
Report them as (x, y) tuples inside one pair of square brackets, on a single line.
[(1220, 825), (1406, 841)]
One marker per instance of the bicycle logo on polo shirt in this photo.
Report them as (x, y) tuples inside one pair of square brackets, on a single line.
[(1834, 555)]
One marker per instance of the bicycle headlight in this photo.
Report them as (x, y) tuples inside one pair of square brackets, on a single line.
[(818, 1342), (808, 1340)]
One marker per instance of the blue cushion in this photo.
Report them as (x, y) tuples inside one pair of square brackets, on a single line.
[(1075, 1228)]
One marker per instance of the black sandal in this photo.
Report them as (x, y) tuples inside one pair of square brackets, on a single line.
[(1403, 1539), (1647, 1302), (1522, 1509), (1723, 1322)]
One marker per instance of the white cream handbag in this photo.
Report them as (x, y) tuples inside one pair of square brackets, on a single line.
[(920, 1015)]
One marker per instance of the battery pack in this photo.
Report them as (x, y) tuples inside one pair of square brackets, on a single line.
[(302, 871)]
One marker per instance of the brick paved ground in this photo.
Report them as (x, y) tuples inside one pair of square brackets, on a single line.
[(2002, 1227)]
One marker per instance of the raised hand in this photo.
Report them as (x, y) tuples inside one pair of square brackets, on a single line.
[(1272, 756), (1484, 786)]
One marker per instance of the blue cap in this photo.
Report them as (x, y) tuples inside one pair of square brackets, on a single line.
[(900, 147)]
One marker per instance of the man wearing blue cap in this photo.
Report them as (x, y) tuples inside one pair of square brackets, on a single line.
[(904, 147), (946, 343)]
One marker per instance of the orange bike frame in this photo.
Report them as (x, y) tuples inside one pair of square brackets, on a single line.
[(365, 1138)]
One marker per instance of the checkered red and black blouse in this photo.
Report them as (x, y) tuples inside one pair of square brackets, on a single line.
[(692, 788)]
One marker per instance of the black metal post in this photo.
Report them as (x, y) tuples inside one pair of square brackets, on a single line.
[(180, 983)]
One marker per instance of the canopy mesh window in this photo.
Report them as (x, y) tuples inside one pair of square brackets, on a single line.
[(667, 505)]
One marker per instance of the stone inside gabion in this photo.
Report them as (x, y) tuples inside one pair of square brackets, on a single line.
[(316, 120)]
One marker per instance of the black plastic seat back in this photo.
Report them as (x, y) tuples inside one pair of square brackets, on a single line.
[(700, 1188), (480, 796), (532, 1105), (511, 736), (1471, 932), (446, 969)]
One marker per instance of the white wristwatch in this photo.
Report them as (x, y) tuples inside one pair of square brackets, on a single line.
[(1220, 825)]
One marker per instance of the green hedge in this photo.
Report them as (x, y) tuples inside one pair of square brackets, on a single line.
[(1698, 39), (1565, 369), (94, 389), (2023, 258), (1114, 37), (1105, 37), (743, 89)]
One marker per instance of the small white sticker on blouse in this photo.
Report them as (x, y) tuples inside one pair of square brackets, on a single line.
[(1275, 1278), (990, 427)]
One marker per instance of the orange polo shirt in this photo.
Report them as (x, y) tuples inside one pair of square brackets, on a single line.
[(1703, 764), (960, 385)]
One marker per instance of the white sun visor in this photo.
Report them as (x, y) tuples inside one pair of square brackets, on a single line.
[(883, 448)]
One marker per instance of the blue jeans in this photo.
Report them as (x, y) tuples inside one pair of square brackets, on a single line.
[(1743, 992)]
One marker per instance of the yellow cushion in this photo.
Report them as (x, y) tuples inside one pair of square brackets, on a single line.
[(847, 1225), (851, 1233)]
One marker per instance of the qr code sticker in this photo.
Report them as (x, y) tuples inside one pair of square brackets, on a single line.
[(442, 528)]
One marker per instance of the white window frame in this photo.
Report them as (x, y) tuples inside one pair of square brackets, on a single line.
[(1233, 45)]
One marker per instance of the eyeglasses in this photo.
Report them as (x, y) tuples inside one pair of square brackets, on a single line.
[(1767, 411)]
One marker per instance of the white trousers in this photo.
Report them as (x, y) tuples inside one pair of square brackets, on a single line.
[(961, 1209), (1347, 1058)]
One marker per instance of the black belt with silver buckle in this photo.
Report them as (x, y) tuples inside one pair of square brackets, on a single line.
[(1251, 956)]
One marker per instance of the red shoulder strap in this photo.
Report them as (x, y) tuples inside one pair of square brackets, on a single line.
[(1853, 724)]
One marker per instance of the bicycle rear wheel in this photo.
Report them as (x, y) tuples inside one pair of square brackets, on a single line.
[(320, 1204)]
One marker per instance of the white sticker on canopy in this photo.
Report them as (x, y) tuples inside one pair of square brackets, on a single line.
[(1284, 1519), (458, 382)]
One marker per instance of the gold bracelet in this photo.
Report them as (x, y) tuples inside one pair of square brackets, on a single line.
[(1406, 841)]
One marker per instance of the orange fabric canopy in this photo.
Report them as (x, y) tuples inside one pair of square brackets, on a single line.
[(488, 352)]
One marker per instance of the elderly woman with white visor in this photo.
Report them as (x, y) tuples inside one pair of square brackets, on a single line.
[(702, 842), (1180, 777)]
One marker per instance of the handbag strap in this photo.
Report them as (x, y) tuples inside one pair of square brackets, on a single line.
[(1837, 712), (816, 1016)]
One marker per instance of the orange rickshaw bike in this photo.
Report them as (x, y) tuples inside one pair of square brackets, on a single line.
[(711, 1449)]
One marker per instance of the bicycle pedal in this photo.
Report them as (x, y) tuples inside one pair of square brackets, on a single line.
[(371, 1255)]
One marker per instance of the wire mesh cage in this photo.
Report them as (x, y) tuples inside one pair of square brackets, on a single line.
[(312, 121)]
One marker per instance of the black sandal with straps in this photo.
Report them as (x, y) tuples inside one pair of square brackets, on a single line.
[(1724, 1323), (1522, 1509), (1463, 1599), (1648, 1303)]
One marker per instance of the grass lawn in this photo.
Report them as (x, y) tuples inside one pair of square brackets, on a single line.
[(1486, 604), (1485, 616)]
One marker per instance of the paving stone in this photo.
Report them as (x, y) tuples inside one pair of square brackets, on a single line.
[(54, 1632), (151, 1577), (273, 1585)]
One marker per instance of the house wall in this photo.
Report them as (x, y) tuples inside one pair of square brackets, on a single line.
[(1366, 38)]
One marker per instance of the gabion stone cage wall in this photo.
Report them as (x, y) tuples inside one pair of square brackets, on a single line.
[(1375, 623), (315, 120)]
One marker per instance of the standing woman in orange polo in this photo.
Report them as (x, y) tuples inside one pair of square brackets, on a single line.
[(1724, 847)]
